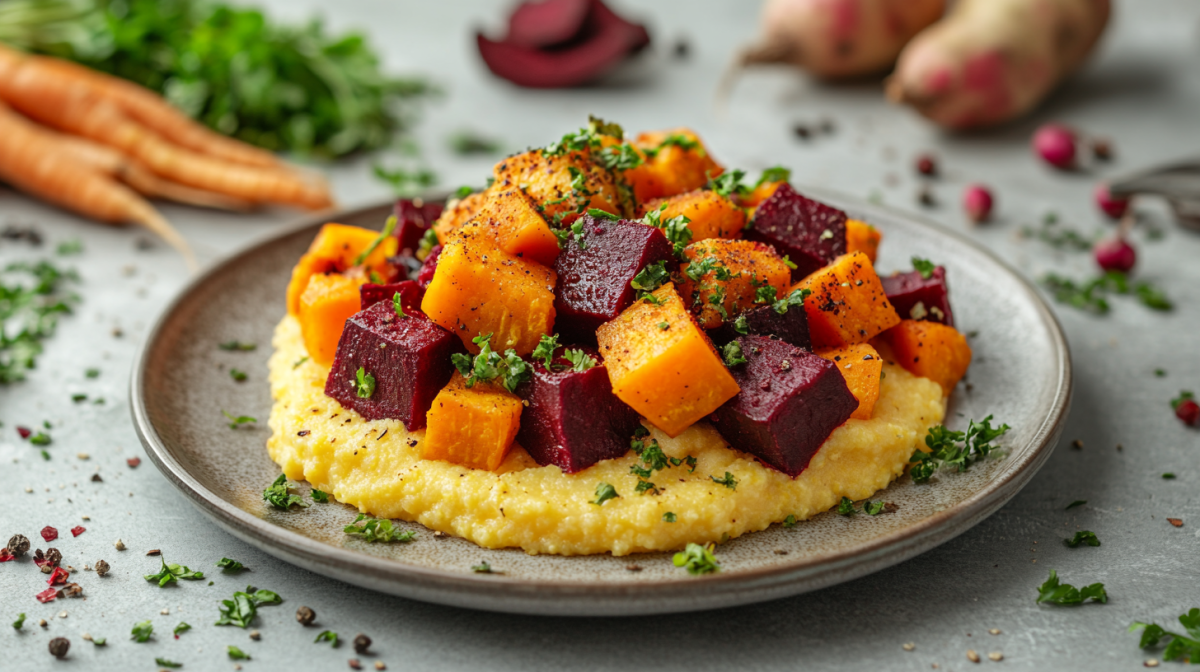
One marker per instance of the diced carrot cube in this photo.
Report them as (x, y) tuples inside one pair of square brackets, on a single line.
[(930, 350), (472, 426), (710, 215), (510, 218), (862, 237), (563, 185), (847, 304), (739, 268), (668, 168), (325, 305), (457, 213), (861, 366), (662, 364), (308, 266)]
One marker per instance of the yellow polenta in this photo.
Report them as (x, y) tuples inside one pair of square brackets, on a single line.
[(542, 510)]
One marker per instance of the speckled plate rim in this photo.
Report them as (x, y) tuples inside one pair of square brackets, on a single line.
[(550, 597)]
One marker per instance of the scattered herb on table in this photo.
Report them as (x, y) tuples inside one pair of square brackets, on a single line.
[(237, 346), (1181, 647), (1091, 295), (32, 296), (328, 636), (1082, 537), (955, 449), (790, 521), (171, 573), (230, 565), (69, 247), (1053, 592), (1161, 373), (846, 507), (374, 530), (1078, 502), (99, 641), (20, 622), (142, 631), (278, 495), (180, 629), (482, 568), (405, 181), (167, 663), (318, 496), (1168, 476), (239, 376), (238, 421), (469, 142), (237, 654), (40, 439), (242, 609), (697, 559), (92, 373), (1059, 237), (604, 492)]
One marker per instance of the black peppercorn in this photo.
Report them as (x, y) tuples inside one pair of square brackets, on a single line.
[(18, 545), (101, 567), (305, 616), (59, 647), (361, 643), (53, 557)]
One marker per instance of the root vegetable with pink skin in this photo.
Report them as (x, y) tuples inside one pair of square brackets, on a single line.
[(835, 39), (990, 61)]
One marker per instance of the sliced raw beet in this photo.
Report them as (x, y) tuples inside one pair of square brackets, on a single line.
[(604, 41), (547, 23), (593, 277), (572, 419), (791, 327), (425, 275), (410, 292), (810, 233), (413, 219), (791, 401), (409, 357), (918, 298)]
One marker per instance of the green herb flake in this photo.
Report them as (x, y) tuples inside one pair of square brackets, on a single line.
[(398, 305), (364, 385), (732, 354), (230, 566), (237, 346), (243, 607), (299, 362), (163, 662), (142, 632), (429, 240), (1078, 502), (319, 496), (794, 299), (846, 507), (405, 181), (237, 421), (790, 521), (650, 278), (482, 568), (79, 398), (1082, 537), (29, 313), (873, 508), (603, 214), (466, 143), (773, 174), (1053, 592), (171, 573), (1184, 395), (40, 439), (489, 365), (92, 373), (955, 449), (697, 559), (20, 622), (545, 350), (728, 480), (375, 530), (728, 184), (69, 247), (99, 641), (924, 267), (279, 496), (237, 654), (181, 628), (389, 228), (580, 360), (328, 636), (239, 376), (604, 492), (669, 517), (1168, 476), (1161, 373), (1180, 647)]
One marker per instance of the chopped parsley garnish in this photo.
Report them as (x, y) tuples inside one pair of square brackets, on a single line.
[(765, 294), (545, 350), (604, 492), (299, 362), (955, 449), (698, 268), (1184, 395), (924, 267), (328, 636), (846, 507), (774, 174), (675, 140), (619, 157), (238, 421), (278, 495), (1078, 502), (181, 628), (644, 486), (239, 376), (242, 609), (40, 439), (489, 365), (460, 193), (1059, 237), (389, 228), (732, 354), (92, 373), (230, 565), (142, 631), (741, 326), (795, 298), (575, 231), (1091, 295), (167, 663), (675, 229), (171, 573), (1180, 647), (1168, 476), (429, 240), (790, 521), (1084, 537), (580, 360), (319, 496), (788, 262), (603, 214), (364, 383), (669, 517), (650, 278), (397, 305), (1054, 592), (235, 346), (599, 126), (663, 326), (20, 622), (237, 654), (873, 508), (728, 183), (697, 559), (374, 530), (469, 142), (482, 568), (572, 142), (728, 481)]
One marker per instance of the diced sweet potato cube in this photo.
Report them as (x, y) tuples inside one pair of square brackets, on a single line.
[(327, 302), (930, 350), (919, 298), (662, 364), (343, 244), (710, 215), (509, 217), (862, 237), (472, 426), (480, 289), (551, 182), (759, 193), (458, 212), (675, 162), (861, 366), (847, 304), (809, 232), (737, 269), (308, 266)]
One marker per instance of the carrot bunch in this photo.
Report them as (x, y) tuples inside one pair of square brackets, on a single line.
[(100, 145)]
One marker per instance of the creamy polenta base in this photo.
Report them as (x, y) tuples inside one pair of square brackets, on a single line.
[(542, 510)]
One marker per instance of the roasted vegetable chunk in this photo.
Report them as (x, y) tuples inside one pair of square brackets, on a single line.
[(335, 249), (916, 297), (410, 293), (811, 234), (407, 359), (662, 364), (413, 218), (790, 402), (674, 162), (709, 214), (327, 302), (594, 273), (572, 419), (724, 277), (308, 266), (510, 218), (472, 426), (457, 213), (847, 304), (930, 350), (790, 325), (563, 185), (861, 366), (862, 237)]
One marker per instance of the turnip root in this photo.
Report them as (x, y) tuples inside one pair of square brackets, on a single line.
[(835, 39), (990, 61)]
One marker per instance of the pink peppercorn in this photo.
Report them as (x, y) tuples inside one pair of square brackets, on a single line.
[(49, 533), (78, 530), (1055, 143), (977, 201)]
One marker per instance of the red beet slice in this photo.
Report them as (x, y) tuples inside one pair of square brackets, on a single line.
[(791, 401), (413, 219), (49, 533), (603, 42), (593, 277), (918, 298), (409, 358), (425, 276), (410, 293), (547, 23), (810, 233), (791, 327), (572, 419)]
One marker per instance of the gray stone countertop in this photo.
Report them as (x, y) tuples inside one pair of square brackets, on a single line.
[(1142, 91)]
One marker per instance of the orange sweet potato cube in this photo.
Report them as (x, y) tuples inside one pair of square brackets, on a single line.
[(662, 364), (709, 214), (861, 366), (563, 185), (862, 237), (728, 275), (308, 266), (930, 350), (343, 244), (472, 426), (759, 193), (675, 162), (510, 218), (457, 213), (480, 289), (847, 304), (325, 305)]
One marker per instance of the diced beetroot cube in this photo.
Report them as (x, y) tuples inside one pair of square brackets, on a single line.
[(791, 327), (425, 276), (572, 419), (47, 595), (78, 530), (58, 576), (918, 298), (791, 401), (810, 233), (49, 533), (413, 219), (409, 358), (593, 277), (410, 294)]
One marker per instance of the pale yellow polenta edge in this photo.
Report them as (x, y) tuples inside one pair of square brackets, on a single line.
[(542, 510)]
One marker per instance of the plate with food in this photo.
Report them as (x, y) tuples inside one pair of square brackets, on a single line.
[(619, 379)]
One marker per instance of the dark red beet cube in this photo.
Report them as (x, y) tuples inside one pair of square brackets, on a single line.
[(810, 233), (425, 275), (791, 401), (573, 420), (791, 327), (410, 295), (409, 357), (593, 278), (918, 298), (413, 219)]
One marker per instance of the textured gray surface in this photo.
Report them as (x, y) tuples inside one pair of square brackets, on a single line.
[(1143, 91)]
